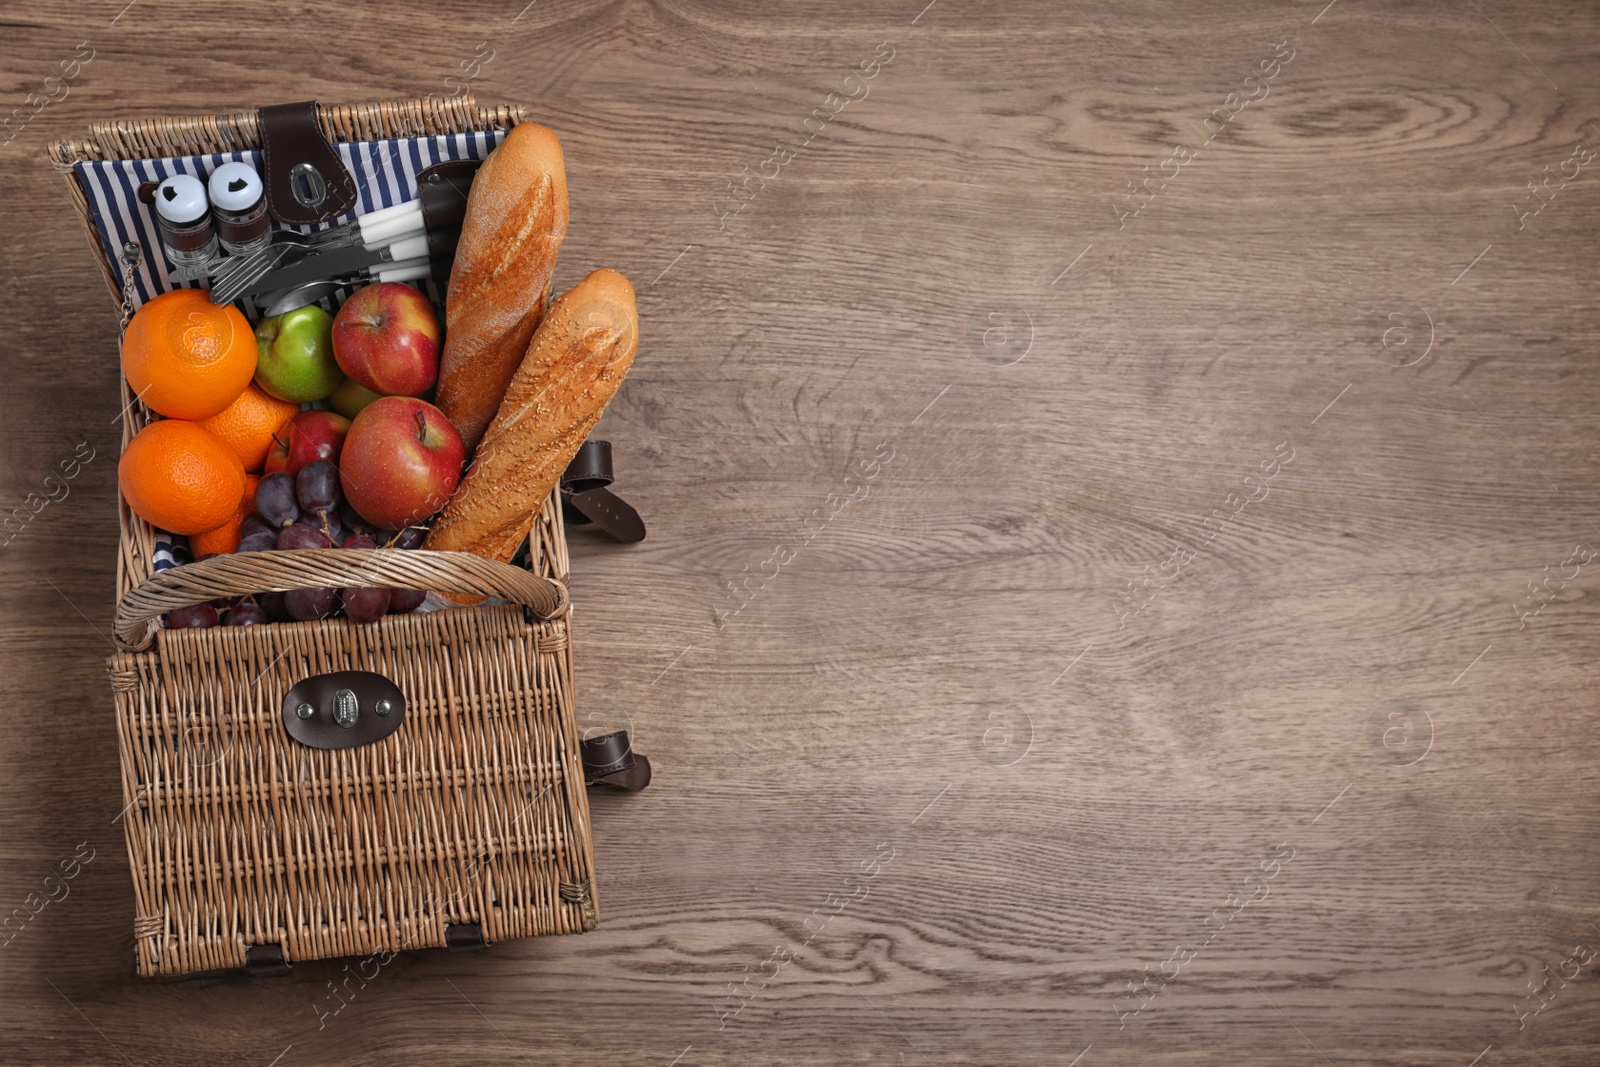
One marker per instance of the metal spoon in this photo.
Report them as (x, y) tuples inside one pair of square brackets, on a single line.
[(299, 296)]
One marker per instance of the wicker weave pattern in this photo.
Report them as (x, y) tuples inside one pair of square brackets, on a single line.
[(261, 572), (156, 138), (461, 816), (473, 811)]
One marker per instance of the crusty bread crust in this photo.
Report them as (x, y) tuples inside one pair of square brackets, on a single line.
[(574, 364), (516, 217)]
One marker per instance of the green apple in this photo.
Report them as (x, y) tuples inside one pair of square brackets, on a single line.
[(350, 397), (294, 355)]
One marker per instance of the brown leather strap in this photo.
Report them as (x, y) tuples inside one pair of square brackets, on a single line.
[(306, 180), (265, 959), (442, 252), (443, 190), (610, 760), (464, 937), (585, 499), (591, 468)]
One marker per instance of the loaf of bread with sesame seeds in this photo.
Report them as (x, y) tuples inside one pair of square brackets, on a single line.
[(578, 356)]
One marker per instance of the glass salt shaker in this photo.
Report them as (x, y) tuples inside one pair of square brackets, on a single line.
[(185, 220), (239, 202)]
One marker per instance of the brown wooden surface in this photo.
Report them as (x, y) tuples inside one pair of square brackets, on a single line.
[(866, 694)]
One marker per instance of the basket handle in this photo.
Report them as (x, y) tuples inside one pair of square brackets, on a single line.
[(279, 572)]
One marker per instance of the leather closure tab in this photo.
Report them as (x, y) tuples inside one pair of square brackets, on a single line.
[(306, 181), (344, 709)]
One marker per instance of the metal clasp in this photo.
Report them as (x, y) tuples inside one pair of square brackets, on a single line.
[(345, 708), (307, 185)]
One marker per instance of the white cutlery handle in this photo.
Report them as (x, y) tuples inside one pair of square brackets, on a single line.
[(409, 271), (409, 248), (376, 234), (384, 213)]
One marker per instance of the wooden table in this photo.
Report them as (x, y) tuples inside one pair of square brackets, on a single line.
[(976, 742)]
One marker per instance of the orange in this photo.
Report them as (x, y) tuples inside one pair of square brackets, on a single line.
[(185, 357), (180, 477), (249, 423), (225, 538)]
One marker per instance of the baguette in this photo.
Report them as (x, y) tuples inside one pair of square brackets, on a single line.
[(515, 218), (576, 361)]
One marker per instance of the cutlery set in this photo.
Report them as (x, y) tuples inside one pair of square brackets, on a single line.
[(285, 269), (390, 244)]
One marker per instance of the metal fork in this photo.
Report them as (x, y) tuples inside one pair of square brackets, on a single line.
[(229, 283)]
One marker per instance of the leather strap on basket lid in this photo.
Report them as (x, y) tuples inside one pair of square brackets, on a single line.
[(246, 573)]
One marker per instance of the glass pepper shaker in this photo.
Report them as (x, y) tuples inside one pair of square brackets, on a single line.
[(239, 202), (185, 220)]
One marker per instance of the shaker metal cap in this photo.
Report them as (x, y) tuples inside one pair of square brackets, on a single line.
[(235, 187), (181, 198)]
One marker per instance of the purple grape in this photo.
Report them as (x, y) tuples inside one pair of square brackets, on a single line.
[(259, 541), (305, 604), (410, 537), (302, 535), (353, 521), (253, 523), (364, 604), (405, 601), (194, 617), (317, 486), (275, 500), (247, 613), (273, 604)]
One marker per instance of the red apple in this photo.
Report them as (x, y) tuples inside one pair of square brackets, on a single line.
[(310, 435), (386, 338), (401, 461)]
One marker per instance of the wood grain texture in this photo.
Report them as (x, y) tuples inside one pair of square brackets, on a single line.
[(929, 658)]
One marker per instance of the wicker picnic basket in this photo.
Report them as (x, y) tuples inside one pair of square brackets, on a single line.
[(465, 825)]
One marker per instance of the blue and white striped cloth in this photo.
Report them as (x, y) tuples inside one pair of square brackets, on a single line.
[(170, 553), (385, 174)]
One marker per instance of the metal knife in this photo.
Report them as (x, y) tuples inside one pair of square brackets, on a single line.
[(313, 266)]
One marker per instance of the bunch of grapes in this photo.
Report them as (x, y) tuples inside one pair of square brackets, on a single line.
[(306, 510)]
